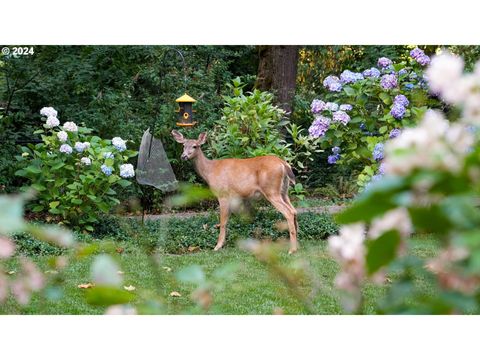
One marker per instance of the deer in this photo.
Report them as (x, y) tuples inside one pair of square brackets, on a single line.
[(231, 180)]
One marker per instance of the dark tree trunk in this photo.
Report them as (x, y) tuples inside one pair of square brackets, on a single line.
[(277, 72)]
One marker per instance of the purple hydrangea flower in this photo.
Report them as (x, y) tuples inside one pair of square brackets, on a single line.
[(381, 169), (423, 60), (319, 126), (341, 117), (402, 100), (398, 111), (372, 72), (378, 152), (384, 62), (331, 106), (332, 83), (346, 107), (332, 159), (389, 81), (416, 53), (394, 133), (317, 106)]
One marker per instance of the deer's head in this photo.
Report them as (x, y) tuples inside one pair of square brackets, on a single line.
[(191, 147)]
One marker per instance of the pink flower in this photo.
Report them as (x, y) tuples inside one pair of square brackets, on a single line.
[(7, 248)]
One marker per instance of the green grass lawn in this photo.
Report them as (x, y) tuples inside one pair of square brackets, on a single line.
[(253, 289)]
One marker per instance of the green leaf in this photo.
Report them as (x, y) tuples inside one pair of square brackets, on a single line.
[(385, 98), (54, 204), (33, 169), (382, 251), (123, 183), (105, 295), (349, 91), (39, 187), (109, 162)]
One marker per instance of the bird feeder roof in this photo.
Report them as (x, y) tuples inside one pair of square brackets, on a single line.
[(185, 98)]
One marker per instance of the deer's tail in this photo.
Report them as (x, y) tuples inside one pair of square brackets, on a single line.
[(291, 176)]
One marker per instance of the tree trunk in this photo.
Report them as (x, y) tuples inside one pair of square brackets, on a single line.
[(277, 72)]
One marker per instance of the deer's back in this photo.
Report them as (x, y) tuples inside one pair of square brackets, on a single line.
[(245, 177)]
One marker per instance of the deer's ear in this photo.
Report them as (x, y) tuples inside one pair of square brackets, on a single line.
[(178, 137), (202, 138)]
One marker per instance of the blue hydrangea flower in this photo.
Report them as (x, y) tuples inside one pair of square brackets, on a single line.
[(372, 72), (341, 117), (402, 72), (81, 146), (389, 81), (348, 77), (384, 62), (319, 126), (378, 152), (346, 107), (409, 86), (107, 170), (413, 75), (402, 100), (317, 106), (331, 106), (336, 150), (108, 155), (363, 126), (66, 149), (398, 111), (332, 83), (394, 133)]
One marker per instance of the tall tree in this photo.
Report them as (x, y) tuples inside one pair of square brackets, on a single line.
[(277, 72)]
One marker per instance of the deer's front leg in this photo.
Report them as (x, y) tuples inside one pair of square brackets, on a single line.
[(224, 213)]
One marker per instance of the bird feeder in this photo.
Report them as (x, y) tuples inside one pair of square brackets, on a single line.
[(185, 110)]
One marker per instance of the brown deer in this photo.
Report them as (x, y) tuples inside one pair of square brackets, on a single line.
[(233, 179)]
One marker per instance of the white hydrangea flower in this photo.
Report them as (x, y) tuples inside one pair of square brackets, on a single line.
[(62, 136), (48, 112), (444, 73), (70, 126), (127, 171), (349, 244), (86, 161), (52, 122), (65, 148), (119, 143), (397, 219)]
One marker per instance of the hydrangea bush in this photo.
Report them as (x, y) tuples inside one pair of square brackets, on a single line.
[(431, 185), (75, 172), (360, 111)]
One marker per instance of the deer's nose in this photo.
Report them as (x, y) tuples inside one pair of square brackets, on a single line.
[(184, 157)]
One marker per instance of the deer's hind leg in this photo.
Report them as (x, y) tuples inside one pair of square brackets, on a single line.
[(224, 214), (290, 215), (286, 200)]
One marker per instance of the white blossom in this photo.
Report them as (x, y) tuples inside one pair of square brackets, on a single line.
[(48, 112), (444, 72), (65, 148), (70, 126), (62, 136), (397, 219), (349, 244), (119, 143), (52, 122), (86, 161), (127, 171)]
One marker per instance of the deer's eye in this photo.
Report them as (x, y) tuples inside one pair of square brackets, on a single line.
[(195, 146)]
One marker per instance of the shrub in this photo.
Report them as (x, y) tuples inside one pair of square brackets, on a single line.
[(431, 185), (74, 172), (362, 110), (252, 126)]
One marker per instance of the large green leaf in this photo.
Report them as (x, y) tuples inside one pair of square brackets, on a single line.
[(105, 296), (381, 251)]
